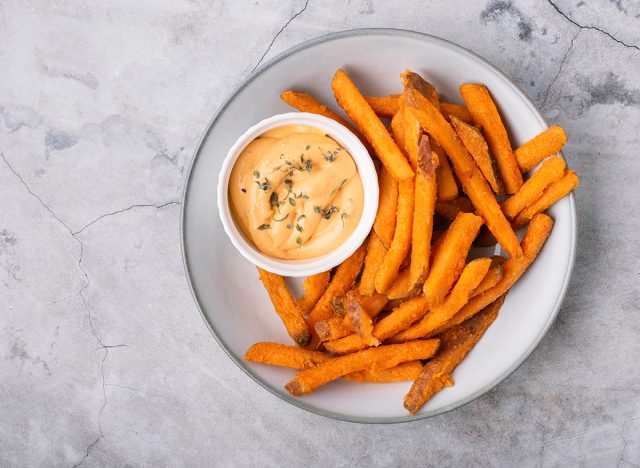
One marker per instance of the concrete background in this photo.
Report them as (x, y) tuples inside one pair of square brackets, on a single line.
[(104, 360)]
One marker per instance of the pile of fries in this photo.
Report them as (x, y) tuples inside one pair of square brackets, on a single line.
[(408, 305)]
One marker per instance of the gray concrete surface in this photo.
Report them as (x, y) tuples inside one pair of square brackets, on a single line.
[(104, 360)]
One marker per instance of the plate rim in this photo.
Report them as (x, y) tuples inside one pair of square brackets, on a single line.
[(297, 402)]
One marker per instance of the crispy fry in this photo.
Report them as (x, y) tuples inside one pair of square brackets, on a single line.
[(355, 106), (403, 371), (313, 287), (469, 279), (456, 110), (456, 343), (455, 246), (554, 192), (533, 240), (486, 115), (286, 307), (277, 354), (475, 143), (550, 171), (384, 106), (492, 277), (447, 185), (304, 102), (382, 357), (373, 304), (360, 320), (425, 200), (474, 183), (411, 80), (400, 287), (449, 209), (375, 255), (333, 328), (385, 222), (343, 279), (401, 239), (539, 147)]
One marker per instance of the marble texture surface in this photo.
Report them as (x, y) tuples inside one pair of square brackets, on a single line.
[(104, 359)]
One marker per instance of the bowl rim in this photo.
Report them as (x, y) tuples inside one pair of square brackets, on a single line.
[(367, 172), (297, 402)]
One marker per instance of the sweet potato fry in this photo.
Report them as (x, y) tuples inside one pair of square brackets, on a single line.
[(539, 147), (554, 192), (384, 106), (304, 102), (356, 107), (313, 287), (411, 80), (385, 222), (474, 183), (486, 115), (449, 209), (550, 171), (372, 262), (454, 248), (533, 240), (475, 143), (382, 357), (343, 279), (447, 185), (360, 320), (286, 307), (373, 304), (425, 200), (494, 274), (401, 239), (400, 287), (456, 343), (456, 110), (469, 279), (333, 328), (277, 354)]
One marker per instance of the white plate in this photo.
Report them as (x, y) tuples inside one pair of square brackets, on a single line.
[(226, 287)]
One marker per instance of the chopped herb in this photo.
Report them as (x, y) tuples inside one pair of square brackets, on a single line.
[(338, 187), (256, 174), (307, 165), (308, 147), (264, 227), (292, 202), (305, 197), (288, 226), (326, 214), (298, 228), (244, 190), (301, 217), (265, 186), (317, 209), (273, 199), (290, 173), (281, 219), (299, 241), (288, 182), (331, 155), (342, 217)]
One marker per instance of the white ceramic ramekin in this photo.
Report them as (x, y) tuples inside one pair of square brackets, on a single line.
[(368, 175)]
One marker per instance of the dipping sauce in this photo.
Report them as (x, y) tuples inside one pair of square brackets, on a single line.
[(296, 193)]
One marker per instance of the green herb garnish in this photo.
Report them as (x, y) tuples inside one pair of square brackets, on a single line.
[(256, 174), (264, 227), (281, 219), (338, 187)]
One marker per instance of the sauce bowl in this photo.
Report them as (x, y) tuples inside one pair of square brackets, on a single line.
[(366, 170)]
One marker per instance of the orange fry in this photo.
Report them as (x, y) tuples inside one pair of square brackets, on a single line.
[(385, 222), (384, 106), (333, 328), (533, 240), (495, 273), (382, 357), (360, 320), (456, 343), (400, 287), (451, 253), (286, 307), (456, 110), (401, 238), (469, 175), (469, 279), (425, 200), (372, 262), (539, 147), (447, 185), (305, 102), (486, 115), (554, 192), (449, 209), (356, 107), (313, 287), (404, 371), (550, 171), (475, 143)]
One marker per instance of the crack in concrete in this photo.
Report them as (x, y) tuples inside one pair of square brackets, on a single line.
[(306, 4), (595, 28), (562, 62), (137, 205)]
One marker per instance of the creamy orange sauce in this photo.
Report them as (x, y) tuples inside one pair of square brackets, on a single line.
[(296, 193)]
